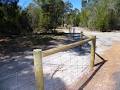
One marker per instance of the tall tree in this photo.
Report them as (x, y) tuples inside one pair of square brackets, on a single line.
[(101, 15), (51, 13), (9, 14)]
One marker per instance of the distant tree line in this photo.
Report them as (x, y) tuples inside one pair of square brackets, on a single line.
[(13, 20), (39, 16), (47, 15), (102, 15)]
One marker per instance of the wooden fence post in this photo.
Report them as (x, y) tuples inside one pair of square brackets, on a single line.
[(81, 35), (93, 48), (37, 53)]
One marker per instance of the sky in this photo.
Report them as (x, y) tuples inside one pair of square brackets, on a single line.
[(75, 3), (25, 3)]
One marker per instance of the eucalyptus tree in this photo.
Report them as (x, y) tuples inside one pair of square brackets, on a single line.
[(101, 14), (50, 13), (67, 13), (72, 17), (9, 16)]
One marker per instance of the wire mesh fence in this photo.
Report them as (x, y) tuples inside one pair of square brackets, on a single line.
[(66, 66), (61, 70), (65, 63)]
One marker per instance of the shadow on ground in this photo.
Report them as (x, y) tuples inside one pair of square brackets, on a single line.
[(82, 50), (16, 71), (18, 44), (98, 65), (18, 74), (12, 45)]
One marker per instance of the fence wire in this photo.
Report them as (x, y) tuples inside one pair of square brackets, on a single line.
[(62, 69)]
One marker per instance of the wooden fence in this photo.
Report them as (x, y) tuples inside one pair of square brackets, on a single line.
[(39, 54)]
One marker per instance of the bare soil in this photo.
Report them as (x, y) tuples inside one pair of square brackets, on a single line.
[(108, 76)]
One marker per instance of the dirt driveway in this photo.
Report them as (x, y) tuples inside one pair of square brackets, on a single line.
[(108, 77)]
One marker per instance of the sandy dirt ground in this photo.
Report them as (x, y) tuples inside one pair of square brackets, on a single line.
[(16, 71), (108, 77)]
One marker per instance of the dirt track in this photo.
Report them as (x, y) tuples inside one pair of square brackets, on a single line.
[(108, 77)]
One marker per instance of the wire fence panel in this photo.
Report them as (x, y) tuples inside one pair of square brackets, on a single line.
[(62, 69)]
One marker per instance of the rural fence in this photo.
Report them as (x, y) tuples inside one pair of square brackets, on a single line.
[(39, 55)]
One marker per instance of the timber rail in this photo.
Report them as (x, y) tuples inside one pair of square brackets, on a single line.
[(39, 54)]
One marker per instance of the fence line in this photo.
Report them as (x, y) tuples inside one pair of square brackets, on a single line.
[(38, 54)]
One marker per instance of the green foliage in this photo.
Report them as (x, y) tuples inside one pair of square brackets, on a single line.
[(84, 18), (71, 16), (9, 13), (12, 19), (48, 14), (101, 15)]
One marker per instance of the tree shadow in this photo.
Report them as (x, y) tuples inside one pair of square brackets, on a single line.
[(54, 83), (82, 49), (20, 43), (17, 74), (98, 65)]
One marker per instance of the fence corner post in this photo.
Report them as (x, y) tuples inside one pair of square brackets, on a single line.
[(38, 69), (93, 48)]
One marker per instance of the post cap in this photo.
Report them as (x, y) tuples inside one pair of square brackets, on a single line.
[(37, 50)]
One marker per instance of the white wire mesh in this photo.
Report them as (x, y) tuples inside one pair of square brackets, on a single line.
[(66, 66)]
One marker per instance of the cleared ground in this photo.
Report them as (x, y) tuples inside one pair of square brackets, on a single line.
[(108, 77), (16, 71)]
